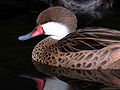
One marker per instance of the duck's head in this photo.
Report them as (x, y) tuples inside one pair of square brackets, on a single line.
[(54, 21)]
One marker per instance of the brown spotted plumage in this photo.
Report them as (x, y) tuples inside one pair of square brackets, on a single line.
[(87, 48), (104, 58)]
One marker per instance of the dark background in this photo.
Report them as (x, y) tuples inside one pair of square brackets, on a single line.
[(17, 17)]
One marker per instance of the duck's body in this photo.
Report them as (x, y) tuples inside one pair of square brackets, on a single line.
[(89, 48), (81, 50)]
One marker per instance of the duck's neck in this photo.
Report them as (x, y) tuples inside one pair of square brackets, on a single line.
[(42, 47)]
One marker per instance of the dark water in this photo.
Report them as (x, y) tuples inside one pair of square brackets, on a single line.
[(18, 18)]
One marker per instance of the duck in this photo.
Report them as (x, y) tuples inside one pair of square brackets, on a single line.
[(87, 48)]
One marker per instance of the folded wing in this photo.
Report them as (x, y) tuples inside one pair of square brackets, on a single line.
[(88, 39)]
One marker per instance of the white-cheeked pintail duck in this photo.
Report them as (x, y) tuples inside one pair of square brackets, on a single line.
[(87, 48)]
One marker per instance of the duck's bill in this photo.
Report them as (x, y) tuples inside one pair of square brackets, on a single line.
[(37, 31), (25, 37)]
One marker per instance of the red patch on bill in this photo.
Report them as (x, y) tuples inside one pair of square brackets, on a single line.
[(38, 31)]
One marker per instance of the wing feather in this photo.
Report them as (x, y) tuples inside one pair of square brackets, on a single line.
[(88, 39)]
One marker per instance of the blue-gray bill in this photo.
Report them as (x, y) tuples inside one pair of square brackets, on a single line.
[(25, 37)]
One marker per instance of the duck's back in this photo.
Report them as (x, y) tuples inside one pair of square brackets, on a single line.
[(90, 38)]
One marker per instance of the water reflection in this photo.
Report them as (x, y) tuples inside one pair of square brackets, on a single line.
[(107, 78), (48, 83)]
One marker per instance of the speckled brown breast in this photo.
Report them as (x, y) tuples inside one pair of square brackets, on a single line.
[(46, 52)]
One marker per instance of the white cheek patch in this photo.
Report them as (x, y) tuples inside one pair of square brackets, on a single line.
[(56, 30)]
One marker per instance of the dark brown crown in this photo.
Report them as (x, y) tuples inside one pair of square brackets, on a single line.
[(60, 15)]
